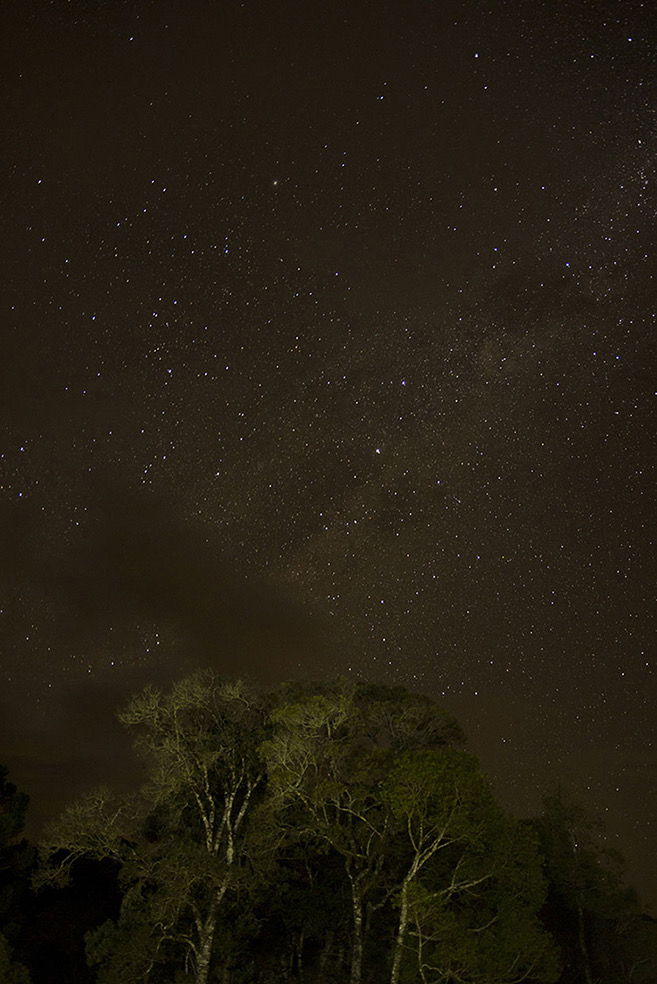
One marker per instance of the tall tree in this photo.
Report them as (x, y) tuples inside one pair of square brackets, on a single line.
[(17, 859), (13, 807), (329, 752), (182, 847), (566, 832), (597, 921), (472, 887)]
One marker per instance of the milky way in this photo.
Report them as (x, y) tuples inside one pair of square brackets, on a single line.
[(329, 349)]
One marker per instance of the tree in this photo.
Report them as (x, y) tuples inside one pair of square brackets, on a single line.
[(16, 857), (566, 834), (182, 847), (13, 807), (304, 915), (472, 888), (10, 971), (329, 751), (597, 921), (17, 860)]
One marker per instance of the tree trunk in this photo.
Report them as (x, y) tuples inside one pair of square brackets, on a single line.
[(401, 931), (357, 941), (204, 953)]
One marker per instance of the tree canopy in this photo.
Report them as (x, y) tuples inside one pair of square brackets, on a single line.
[(322, 832), (181, 844)]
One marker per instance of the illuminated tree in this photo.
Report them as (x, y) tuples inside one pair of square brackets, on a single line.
[(327, 757), (182, 846), (472, 889)]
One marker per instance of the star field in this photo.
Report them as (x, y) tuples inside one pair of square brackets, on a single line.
[(329, 348)]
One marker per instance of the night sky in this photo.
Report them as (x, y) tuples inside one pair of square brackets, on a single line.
[(328, 348)]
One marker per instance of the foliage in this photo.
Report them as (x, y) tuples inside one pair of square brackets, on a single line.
[(182, 847), (603, 935), (11, 972), (13, 807), (329, 751), (334, 832), (17, 859), (472, 889), (370, 767)]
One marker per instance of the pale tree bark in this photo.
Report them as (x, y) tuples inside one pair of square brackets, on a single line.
[(331, 751), (401, 930), (426, 793), (204, 952), (201, 743), (220, 838), (425, 848)]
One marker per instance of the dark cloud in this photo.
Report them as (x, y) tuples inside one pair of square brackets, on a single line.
[(139, 577)]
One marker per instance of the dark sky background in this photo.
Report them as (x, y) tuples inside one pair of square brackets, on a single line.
[(328, 347)]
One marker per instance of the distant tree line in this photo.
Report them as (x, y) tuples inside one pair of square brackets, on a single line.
[(317, 833)]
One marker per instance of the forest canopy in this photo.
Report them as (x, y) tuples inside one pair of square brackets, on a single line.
[(326, 832)]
